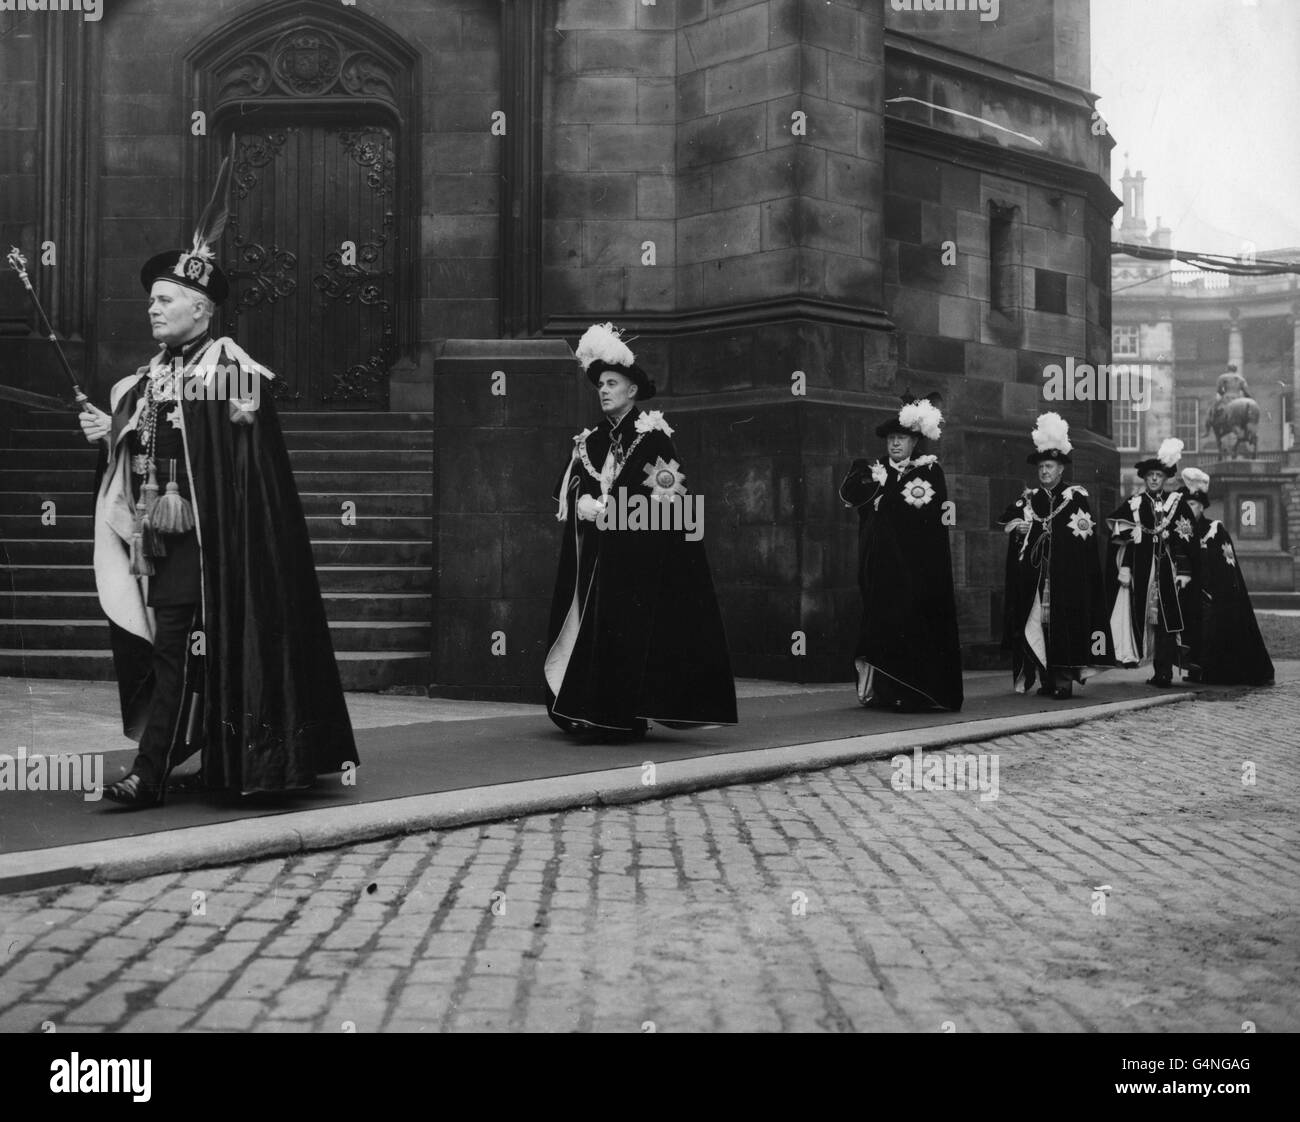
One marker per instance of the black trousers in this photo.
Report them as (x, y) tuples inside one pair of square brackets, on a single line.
[(165, 722), (1166, 654)]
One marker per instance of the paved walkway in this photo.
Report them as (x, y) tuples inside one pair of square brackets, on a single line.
[(464, 762), (826, 900)]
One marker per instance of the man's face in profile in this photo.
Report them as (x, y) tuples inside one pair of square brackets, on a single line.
[(175, 314)]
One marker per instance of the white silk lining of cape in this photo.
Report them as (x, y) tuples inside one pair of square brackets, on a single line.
[(1034, 630), (866, 680), (557, 659), (120, 592), (1121, 625)]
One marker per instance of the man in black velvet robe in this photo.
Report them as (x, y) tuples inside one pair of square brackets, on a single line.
[(1054, 620), (219, 636), (908, 656), (635, 632), (1152, 557), (1227, 647)]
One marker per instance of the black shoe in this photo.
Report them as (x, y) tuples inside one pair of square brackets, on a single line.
[(1063, 693), (134, 792), (1163, 683), (1046, 691)]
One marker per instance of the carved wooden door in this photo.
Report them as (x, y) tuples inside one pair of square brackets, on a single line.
[(311, 245)]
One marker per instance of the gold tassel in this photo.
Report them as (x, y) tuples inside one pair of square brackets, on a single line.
[(173, 514), (141, 566), (149, 492)]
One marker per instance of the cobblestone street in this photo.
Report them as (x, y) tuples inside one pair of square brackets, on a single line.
[(826, 901)]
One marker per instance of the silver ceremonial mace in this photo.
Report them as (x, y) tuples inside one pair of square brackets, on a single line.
[(19, 262)]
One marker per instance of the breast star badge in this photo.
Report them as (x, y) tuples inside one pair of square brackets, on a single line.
[(918, 492), (1080, 524), (664, 479)]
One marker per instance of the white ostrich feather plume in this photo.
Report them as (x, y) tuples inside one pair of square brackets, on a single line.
[(1052, 432), (602, 341), (923, 417), (1171, 451), (1196, 479)]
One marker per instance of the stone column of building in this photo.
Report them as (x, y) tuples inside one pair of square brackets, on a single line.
[(1234, 341), (714, 186)]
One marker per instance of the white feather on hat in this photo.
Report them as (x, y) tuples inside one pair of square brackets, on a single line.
[(1171, 451), (1195, 479), (923, 417), (1052, 434), (602, 341)]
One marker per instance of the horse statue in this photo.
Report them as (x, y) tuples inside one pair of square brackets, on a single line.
[(1233, 424)]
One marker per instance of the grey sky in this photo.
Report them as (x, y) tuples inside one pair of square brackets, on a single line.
[(1204, 95)]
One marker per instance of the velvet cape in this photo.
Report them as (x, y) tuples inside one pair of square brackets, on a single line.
[(646, 640), (264, 700), (1061, 566), (1228, 647), (909, 614)]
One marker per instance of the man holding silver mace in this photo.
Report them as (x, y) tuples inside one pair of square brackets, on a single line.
[(202, 559)]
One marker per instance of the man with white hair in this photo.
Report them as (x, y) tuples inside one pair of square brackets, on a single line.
[(218, 631)]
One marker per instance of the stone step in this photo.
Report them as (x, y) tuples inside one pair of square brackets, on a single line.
[(35, 460), (71, 439), (60, 551), (290, 421), (1275, 601), (374, 504), (341, 607), (410, 579), (88, 634), (19, 527), (358, 670)]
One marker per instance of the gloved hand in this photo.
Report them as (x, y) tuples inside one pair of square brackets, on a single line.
[(589, 508), (1016, 526), (1125, 577), (95, 423)]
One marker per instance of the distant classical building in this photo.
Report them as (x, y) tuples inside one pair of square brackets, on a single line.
[(1186, 327), (801, 208)]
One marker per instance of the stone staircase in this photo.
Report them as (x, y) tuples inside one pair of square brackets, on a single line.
[(376, 576)]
